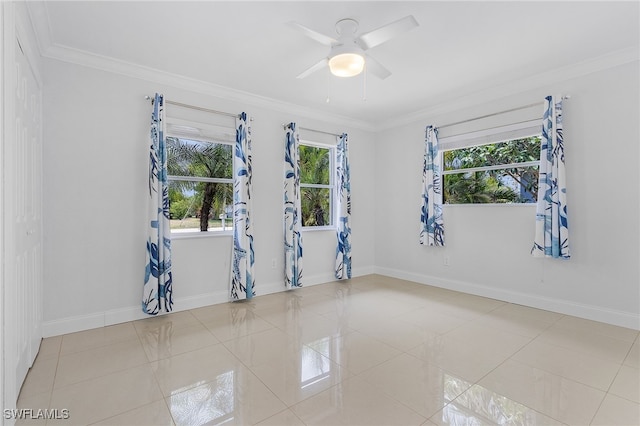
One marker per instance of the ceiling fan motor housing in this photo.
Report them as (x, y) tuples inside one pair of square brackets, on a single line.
[(346, 58)]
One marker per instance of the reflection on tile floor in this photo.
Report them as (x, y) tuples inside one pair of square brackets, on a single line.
[(370, 351)]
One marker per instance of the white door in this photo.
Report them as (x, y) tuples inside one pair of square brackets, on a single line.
[(23, 226)]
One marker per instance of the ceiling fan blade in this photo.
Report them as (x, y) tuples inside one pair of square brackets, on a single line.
[(376, 68), (323, 63), (320, 38), (387, 32)]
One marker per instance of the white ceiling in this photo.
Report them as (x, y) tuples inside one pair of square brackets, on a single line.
[(460, 48)]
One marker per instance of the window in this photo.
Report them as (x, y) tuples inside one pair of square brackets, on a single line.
[(316, 184), (200, 184), (499, 172)]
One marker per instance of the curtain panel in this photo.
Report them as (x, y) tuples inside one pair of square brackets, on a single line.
[(431, 220), (242, 278), (343, 184), (552, 225), (158, 292), (292, 210)]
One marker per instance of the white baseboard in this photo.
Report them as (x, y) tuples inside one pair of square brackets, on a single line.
[(118, 316), (307, 281), (595, 313), (133, 313)]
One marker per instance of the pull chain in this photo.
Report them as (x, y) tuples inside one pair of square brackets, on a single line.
[(328, 86)]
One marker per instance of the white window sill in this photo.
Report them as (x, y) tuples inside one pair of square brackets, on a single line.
[(186, 235), (491, 205), (318, 228)]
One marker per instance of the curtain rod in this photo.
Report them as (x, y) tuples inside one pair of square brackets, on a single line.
[(284, 126), (213, 111), (495, 113)]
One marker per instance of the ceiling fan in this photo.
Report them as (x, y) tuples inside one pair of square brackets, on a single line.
[(347, 55)]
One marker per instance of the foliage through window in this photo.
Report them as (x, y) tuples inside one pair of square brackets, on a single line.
[(200, 184), (316, 184), (502, 172)]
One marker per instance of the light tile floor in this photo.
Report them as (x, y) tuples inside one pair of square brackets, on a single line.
[(370, 351)]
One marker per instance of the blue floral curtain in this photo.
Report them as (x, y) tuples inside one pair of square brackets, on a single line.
[(343, 183), (242, 280), (292, 210), (552, 226), (158, 293), (431, 222)]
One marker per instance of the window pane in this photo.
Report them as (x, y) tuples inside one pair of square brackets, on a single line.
[(495, 154), (187, 157), (515, 185), (189, 201), (316, 206), (315, 165)]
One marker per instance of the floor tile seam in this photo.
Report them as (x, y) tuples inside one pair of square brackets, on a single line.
[(206, 317), (131, 367), (627, 356), (397, 400), (32, 371), (173, 327), (382, 392), (221, 320), (624, 397), (287, 408), (35, 395), (243, 335), (502, 353), (635, 331), (547, 370), (614, 380), (496, 330), (292, 406), (557, 375), (200, 320), (145, 343), (261, 364), (57, 352), (361, 374), (53, 384), (119, 341), (518, 402), (520, 334), (181, 353), (251, 371), (589, 333), (578, 353), (164, 398), (541, 337), (377, 364), (524, 318), (595, 413), (119, 413)]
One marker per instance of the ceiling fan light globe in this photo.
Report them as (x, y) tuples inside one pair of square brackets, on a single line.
[(346, 64)]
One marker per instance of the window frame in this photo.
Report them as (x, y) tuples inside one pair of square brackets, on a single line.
[(204, 133), (493, 135), (331, 186)]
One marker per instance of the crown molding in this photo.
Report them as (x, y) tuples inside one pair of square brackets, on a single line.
[(39, 16), (514, 87), (40, 21)]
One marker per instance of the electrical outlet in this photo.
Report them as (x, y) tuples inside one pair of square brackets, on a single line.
[(273, 263), (445, 260)]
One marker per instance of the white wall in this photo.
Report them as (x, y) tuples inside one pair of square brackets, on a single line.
[(96, 126), (488, 246), (95, 170)]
